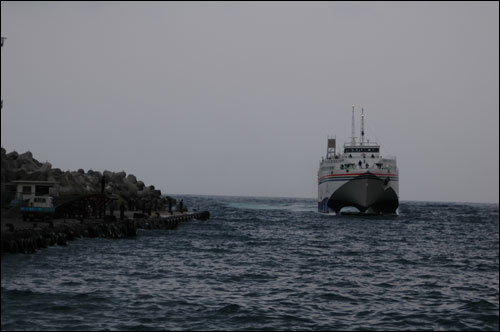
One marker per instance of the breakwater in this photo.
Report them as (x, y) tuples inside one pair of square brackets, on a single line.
[(29, 240)]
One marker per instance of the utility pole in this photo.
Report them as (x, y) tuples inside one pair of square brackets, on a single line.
[(3, 39)]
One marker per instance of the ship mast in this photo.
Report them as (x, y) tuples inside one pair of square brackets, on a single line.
[(362, 126), (353, 139)]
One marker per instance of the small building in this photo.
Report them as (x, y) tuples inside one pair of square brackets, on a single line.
[(26, 189)]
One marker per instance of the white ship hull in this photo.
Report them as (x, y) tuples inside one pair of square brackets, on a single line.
[(367, 191)]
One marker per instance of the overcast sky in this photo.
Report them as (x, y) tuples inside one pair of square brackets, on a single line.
[(239, 98)]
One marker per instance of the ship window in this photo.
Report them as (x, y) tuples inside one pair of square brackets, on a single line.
[(348, 150)]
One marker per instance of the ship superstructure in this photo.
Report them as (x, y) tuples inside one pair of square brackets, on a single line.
[(358, 176)]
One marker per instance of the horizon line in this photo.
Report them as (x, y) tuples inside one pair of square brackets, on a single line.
[(301, 197)]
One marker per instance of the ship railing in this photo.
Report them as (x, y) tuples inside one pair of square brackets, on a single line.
[(371, 167), (367, 156)]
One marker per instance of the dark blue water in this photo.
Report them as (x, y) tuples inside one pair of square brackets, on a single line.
[(269, 264)]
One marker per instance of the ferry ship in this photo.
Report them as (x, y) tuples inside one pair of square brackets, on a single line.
[(357, 177)]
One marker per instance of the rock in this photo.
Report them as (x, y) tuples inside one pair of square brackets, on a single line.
[(120, 175), (131, 178), (37, 163), (46, 167), (28, 156), (29, 167), (97, 174), (142, 193), (140, 185), (129, 189), (36, 176), (108, 175), (79, 179), (20, 174), (27, 162), (12, 155)]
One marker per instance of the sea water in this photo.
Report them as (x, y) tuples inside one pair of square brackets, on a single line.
[(269, 264)]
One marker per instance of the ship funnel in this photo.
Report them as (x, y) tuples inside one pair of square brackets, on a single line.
[(331, 150)]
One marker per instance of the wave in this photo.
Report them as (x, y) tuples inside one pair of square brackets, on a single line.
[(261, 264)]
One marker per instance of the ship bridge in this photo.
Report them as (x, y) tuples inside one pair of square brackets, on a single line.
[(366, 150)]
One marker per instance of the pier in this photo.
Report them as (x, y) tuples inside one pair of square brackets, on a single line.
[(26, 237)]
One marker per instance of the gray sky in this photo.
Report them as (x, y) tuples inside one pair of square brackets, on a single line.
[(239, 98)]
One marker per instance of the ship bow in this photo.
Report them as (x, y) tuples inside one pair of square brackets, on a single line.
[(366, 192)]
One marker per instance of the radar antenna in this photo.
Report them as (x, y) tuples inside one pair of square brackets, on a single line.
[(362, 126)]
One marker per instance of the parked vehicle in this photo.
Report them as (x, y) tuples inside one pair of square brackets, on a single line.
[(38, 207)]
